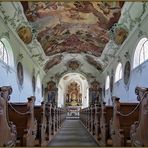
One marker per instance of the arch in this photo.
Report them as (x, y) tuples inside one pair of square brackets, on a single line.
[(141, 52), (6, 53), (65, 81), (119, 72)]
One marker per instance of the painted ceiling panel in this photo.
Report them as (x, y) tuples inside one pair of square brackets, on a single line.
[(72, 27)]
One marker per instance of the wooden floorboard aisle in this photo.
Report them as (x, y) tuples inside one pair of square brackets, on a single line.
[(73, 134)]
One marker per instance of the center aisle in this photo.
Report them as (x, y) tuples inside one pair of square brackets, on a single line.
[(73, 134)]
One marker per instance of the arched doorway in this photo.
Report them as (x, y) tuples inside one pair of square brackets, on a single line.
[(73, 93)]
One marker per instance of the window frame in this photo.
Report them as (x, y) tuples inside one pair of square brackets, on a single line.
[(118, 72), (4, 51), (107, 83), (140, 52)]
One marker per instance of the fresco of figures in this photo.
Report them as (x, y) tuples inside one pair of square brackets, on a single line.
[(54, 61), (72, 27), (94, 63)]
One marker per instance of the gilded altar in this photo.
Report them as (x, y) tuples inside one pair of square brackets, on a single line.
[(73, 97)]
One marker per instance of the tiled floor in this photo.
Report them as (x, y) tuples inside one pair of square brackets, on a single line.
[(73, 134)]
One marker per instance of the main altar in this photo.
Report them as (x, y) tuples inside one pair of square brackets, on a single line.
[(73, 99)]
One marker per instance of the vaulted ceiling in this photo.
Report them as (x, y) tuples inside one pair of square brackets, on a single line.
[(79, 27), (72, 35), (72, 27)]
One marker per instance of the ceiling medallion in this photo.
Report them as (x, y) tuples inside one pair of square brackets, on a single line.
[(73, 64), (25, 34), (119, 33)]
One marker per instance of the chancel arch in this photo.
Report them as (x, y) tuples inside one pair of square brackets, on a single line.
[(64, 64), (73, 90)]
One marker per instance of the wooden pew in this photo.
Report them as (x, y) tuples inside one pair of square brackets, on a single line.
[(8, 132), (62, 116), (92, 120), (106, 115), (41, 138), (90, 117), (83, 116), (97, 131), (139, 130), (120, 124), (38, 114), (48, 114), (55, 118), (22, 114)]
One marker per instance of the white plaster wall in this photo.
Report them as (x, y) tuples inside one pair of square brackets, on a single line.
[(138, 76), (10, 78)]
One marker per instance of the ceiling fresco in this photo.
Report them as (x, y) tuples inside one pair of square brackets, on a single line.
[(94, 63), (72, 27), (54, 61)]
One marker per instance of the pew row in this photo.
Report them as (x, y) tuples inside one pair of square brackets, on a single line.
[(90, 118), (106, 115), (50, 118), (42, 138), (8, 132), (139, 130)]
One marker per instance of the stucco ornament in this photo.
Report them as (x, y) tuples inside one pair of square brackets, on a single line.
[(73, 64)]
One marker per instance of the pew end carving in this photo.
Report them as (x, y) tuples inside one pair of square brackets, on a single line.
[(139, 130), (22, 114), (31, 130), (122, 121), (8, 132), (106, 115)]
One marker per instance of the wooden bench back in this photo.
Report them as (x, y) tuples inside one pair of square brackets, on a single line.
[(126, 122), (106, 115)]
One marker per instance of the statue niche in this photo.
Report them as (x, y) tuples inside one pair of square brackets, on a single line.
[(73, 95)]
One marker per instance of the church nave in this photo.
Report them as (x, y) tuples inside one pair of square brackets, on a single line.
[(73, 73)]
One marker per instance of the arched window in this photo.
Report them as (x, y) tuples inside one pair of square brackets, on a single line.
[(107, 84), (118, 73), (141, 52), (38, 92), (6, 54), (38, 84), (3, 53)]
